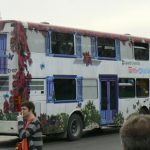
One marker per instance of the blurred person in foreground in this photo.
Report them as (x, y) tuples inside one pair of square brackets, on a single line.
[(135, 133), (29, 126)]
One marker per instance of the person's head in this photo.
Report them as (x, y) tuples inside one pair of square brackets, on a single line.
[(27, 108), (135, 133)]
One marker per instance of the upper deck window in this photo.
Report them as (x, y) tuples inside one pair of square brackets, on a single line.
[(62, 43), (106, 47), (36, 41), (86, 44), (141, 51), (126, 51)]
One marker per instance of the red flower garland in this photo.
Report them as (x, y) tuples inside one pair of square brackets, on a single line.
[(21, 80)]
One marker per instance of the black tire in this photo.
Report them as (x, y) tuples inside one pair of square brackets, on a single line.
[(75, 126)]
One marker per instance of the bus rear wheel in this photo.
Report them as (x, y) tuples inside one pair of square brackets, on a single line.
[(75, 126)]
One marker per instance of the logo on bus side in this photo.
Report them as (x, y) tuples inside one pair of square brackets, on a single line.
[(12, 70), (124, 62), (138, 70)]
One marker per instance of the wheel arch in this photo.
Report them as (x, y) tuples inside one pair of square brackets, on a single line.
[(78, 112)]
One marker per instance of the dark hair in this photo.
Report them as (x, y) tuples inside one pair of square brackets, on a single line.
[(135, 132), (30, 105)]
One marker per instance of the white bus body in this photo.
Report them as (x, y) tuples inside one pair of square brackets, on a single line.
[(78, 79)]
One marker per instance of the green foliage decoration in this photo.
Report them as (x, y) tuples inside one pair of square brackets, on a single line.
[(91, 115), (118, 119)]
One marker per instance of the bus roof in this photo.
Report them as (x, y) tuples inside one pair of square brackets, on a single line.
[(44, 26)]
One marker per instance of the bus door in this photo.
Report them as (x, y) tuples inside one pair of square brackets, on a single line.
[(3, 56), (108, 98)]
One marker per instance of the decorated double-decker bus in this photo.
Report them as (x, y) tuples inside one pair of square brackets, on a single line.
[(78, 79)]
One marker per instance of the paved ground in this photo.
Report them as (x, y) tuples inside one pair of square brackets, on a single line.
[(7, 142), (93, 140)]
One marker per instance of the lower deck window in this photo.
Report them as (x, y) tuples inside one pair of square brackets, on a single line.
[(37, 85), (126, 87), (65, 89), (90, 88), (4, 83), (142, 87)]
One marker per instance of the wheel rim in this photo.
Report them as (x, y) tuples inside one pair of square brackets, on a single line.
[(75, 128)]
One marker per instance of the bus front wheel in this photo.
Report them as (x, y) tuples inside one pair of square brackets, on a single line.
[(75, 126)]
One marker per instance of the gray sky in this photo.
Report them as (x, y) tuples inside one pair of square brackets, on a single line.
[(114, 16)]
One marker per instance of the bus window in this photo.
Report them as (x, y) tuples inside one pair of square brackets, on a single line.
[(142, 87), (104, 95), (126, 87), (4, 83), (141, 51), (65, 89), (90, 88), (62, 43), (86, 44), (106, 47), (126, 50), (113, 95), (36, 41), (37, 85)]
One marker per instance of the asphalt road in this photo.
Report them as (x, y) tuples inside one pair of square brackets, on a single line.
[(93, 140)]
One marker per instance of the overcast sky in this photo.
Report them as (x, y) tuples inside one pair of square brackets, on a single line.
[(114, 16)]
